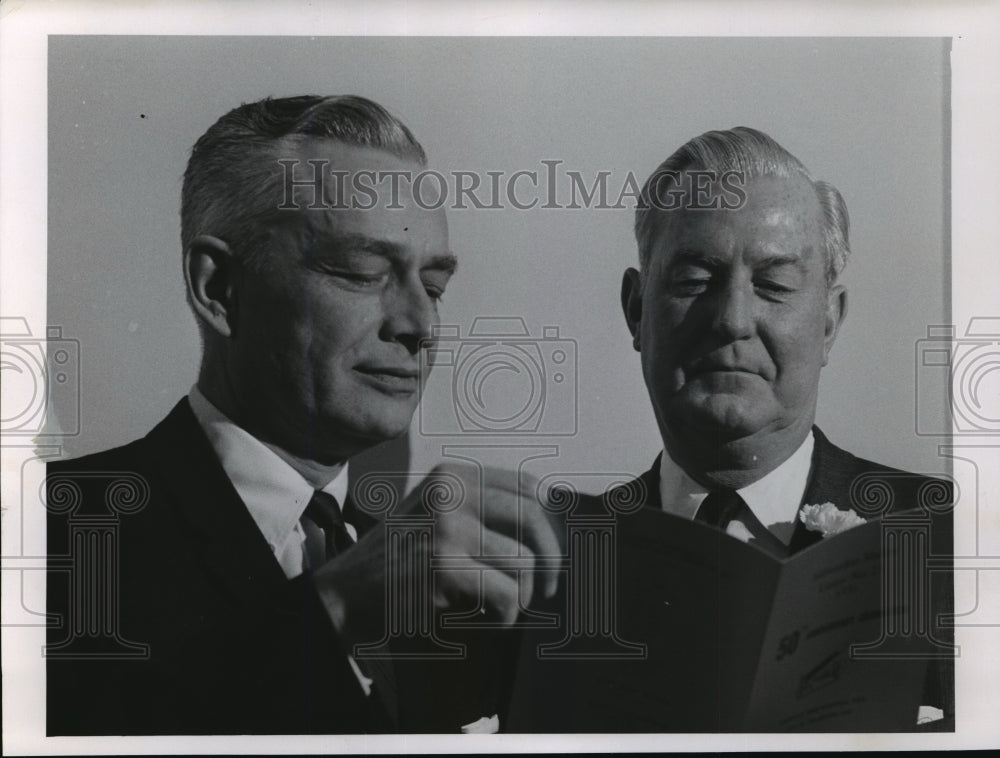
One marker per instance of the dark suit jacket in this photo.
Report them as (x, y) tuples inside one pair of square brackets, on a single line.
[(171, 616), (836, 476)]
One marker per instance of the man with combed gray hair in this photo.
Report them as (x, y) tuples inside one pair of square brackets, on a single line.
[(734, 313), (734, 310), (246, 585), (742, 152)]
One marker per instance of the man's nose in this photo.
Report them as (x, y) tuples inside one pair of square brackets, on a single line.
[(733, 317), (410, 314)]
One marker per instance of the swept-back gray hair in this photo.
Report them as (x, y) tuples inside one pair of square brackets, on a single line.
[(233, 182), (753, 154)]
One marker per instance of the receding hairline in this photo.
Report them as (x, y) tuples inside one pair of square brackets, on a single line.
[(297, 147), (753, 155), (809, 192), (233, 167)]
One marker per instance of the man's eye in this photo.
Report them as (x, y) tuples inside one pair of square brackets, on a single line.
[(772, 288), (361, 279), (434, 286), (434, 291), (691, 285)]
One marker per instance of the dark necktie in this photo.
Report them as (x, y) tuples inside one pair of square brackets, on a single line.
[(719, 508), (324, 511)]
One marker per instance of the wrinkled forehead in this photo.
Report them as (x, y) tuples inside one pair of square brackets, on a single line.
[(729, 205), (327, 187), (323, 174)]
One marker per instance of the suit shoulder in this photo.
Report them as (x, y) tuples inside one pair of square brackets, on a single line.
[(870, 482), (172, 431), (620, 498), (105, 460)]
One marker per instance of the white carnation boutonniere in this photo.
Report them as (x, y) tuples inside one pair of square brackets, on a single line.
[(828, 519)]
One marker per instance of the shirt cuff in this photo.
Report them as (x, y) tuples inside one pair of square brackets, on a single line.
[(483, 725), (364, 681), (928, 713)]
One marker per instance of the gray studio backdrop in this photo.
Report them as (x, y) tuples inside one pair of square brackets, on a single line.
[(869, 115)]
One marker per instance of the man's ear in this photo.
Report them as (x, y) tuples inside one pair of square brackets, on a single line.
[(632, 303), (836, 310), (209, 270)]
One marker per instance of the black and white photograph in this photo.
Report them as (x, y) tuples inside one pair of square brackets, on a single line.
[(500, 379)]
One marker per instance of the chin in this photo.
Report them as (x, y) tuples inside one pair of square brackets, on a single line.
[(388, 432), (728, 420), (383, 429)]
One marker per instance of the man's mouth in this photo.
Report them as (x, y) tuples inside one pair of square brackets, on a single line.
[(711, 368), (392, 378), (702, 367)]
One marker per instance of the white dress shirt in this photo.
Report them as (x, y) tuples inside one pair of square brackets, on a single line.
[(773, 499), (275, 494)]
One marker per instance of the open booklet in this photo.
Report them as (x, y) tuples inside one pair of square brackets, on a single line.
[(664, 624)]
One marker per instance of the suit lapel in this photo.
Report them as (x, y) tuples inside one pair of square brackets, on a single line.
[(235, 557), (647, 487), (830, 477), (831, 472), (231, 545), (202, 495)]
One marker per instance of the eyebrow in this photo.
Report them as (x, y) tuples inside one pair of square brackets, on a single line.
[(447, 261), (687, 256), (781, 260)]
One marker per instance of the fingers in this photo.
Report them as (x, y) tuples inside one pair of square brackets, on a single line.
[(498, 591), (493, 500), (496, 546), (501, 595), (518, 514), (493, 552), (535, 536), (515, 482), (465, 536), (490, 540)]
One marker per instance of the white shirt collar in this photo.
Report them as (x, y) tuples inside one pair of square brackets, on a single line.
[(274, 493), (773, 499)]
